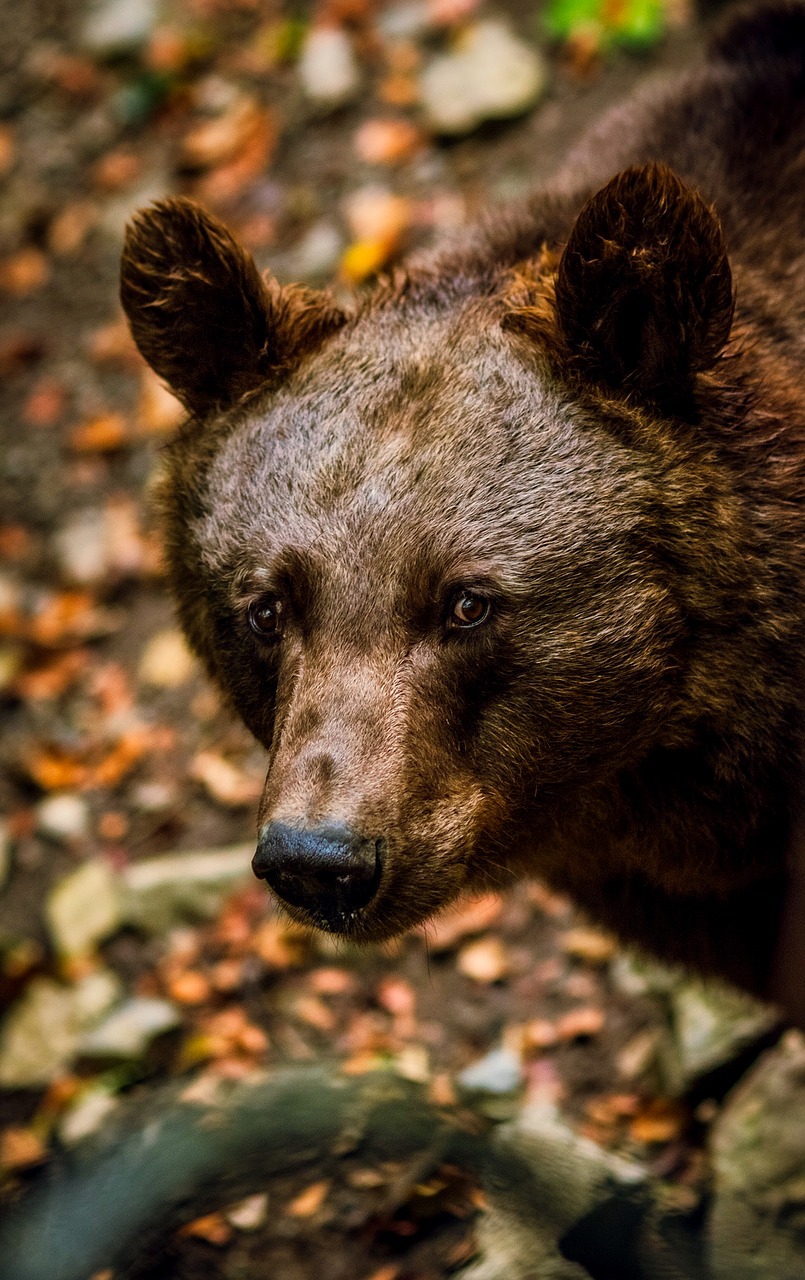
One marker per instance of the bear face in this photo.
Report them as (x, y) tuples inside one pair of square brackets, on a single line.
[(446, 554)]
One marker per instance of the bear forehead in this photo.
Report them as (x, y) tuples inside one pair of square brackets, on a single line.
[(434, 442)]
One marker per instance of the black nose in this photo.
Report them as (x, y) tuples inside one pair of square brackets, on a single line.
[(328, 871)]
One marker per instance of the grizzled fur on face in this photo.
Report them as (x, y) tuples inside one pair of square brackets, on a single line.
[(504, 567)]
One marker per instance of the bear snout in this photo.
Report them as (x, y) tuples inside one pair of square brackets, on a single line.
[(327, 871)]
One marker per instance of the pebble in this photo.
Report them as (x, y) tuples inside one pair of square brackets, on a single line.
[(80, 547), (327, 67), (491, 75), (250, 1213), (129, 1029), (63, 817), (85, 907), (118, 26), (484, 961), (712, 1024), (500, 1071)]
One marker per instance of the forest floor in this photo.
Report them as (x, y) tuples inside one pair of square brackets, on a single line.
[(116, 749)]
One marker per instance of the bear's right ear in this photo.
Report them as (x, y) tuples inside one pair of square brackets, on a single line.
[(644, 290), (201, 314)]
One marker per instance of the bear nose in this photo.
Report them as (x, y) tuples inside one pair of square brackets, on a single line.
[(328, 871)]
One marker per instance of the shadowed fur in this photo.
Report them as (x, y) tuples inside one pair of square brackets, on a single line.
[(201, 314)]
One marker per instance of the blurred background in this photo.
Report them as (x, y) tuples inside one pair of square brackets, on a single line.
[(135, 947)]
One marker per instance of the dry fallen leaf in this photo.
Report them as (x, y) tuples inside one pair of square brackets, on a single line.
[(330, 981), (660, 1120), (20, 1148), (101, 434), (190, 987), (309, 1201), (459, 922), (484, 961), (158, 411), (7, 148), (224, 781), (166, 661), (213, 1228), (387, 141), (579, 1024), (117, 169), (45, 405), (24, 272), (589, 944)]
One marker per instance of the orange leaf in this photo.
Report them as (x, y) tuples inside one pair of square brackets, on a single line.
[(309, 1201), (213, 1228), (20, 1148), (661, 1120), (102, 434), (579, 1024), (460, 921)]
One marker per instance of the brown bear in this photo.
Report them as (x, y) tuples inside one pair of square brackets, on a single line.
[(506, 565)]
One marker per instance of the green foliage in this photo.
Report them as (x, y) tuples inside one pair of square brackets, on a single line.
[(634, 23)]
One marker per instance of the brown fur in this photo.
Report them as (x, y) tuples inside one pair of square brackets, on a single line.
[(560, 414)]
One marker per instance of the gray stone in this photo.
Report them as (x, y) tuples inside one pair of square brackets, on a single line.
[(556, 1178), (63, 817), (500, 1071), (162, 892), (327, 67), (90, 1110), (130, 1028), (317, 255), (757, 1224), (491, 75), (80, 546), (712, 1024), (84, 908), (41, 1033), (118, 26)]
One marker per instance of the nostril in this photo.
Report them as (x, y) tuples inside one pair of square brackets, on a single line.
[(329, 871)]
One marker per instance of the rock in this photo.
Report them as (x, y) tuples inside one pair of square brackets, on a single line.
[(63, 817), (80, 546), (408, 21), (130, 1028), (712, 1024), (86, 1115), (491, 75), (161, 892), (84, 908), (500, 1071), (42, 1032), (757, 1224), (166, 662), (317, 254), (250, 1213), (114, 27), (327, 67), (548, 1181)]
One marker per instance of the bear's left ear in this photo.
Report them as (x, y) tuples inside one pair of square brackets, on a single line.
[(644, 290), (203, 316)]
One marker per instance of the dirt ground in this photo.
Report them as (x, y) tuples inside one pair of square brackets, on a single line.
[(130, 732)]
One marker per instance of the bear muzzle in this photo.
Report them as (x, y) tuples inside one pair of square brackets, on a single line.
[(328, 871)]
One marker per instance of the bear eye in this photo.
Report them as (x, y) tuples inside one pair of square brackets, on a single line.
[(469, 609), (265, 617)]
